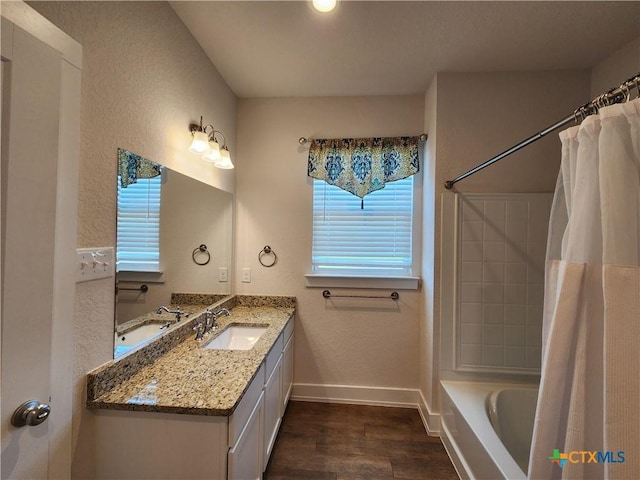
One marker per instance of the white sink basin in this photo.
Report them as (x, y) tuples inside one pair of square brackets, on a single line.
[(236, 337), (140, 334)]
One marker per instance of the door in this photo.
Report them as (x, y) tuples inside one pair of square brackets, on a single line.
[(39, 199)]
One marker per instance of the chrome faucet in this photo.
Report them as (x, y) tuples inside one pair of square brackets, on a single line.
[(211, 317), (199, 329), (209, 322), (177, 312), (222, 311)]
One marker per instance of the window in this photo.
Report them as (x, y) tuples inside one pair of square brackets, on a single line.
[(138, 242), (372, 242)]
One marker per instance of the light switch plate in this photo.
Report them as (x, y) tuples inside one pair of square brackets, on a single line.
[(246, 275), (94, 263), (223, 274)]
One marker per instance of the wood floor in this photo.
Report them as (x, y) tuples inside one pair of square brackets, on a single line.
[(321, 441)]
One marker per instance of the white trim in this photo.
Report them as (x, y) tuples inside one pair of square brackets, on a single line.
[(149, 277), (430, 419), (38, 26), (358, 395), (449, 213), (60, 458), (400, 283)]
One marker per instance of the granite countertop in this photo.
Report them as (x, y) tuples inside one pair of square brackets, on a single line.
[(160, 318), (189, 379)]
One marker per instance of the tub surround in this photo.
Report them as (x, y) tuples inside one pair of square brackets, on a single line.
[(173, 374)]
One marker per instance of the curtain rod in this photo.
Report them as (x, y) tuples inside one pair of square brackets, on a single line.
[(615, 95), (303, 140)]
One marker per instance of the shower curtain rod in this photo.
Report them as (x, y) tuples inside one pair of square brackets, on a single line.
[(615, 95)]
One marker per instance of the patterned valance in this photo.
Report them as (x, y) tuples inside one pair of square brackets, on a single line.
[(131, 167), (363, 165)]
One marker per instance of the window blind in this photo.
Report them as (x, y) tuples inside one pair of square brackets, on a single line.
[(138, 239), (374, 241)]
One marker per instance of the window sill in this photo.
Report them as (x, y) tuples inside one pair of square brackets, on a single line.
[(400, 283), (131, 276)]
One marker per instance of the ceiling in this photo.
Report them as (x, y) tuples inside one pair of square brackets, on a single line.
[(284, 48)]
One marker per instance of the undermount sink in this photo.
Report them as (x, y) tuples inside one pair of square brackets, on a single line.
[(140, 334), (236, 337)]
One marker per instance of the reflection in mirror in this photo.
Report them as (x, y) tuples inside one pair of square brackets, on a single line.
[(173, 249)]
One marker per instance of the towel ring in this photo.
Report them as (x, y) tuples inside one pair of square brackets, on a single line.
[(267, 251), (202, 249)]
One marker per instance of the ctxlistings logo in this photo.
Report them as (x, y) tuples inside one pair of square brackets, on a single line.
[(584, 456), (559, 458)]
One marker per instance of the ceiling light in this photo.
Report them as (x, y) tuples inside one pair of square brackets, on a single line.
[(206, 144), (324, 5)]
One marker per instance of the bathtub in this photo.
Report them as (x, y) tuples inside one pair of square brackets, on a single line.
[(486, 428)]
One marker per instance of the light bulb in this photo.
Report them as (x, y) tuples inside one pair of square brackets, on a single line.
[(200, 144), (225, 159), (324, 5), (214, 152)]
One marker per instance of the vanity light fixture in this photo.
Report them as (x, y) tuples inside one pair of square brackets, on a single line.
[(213, 154), (225, 159), (324, 6), (206, 144)]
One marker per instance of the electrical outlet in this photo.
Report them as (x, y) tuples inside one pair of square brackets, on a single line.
[(246, 275), (94, 263), (223, 274)]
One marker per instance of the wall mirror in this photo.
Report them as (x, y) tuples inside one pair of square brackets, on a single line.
[(173, 249)]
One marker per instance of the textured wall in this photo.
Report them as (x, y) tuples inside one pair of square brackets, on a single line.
[(616, 68), (478, 116), (344, 342), (144, 80)]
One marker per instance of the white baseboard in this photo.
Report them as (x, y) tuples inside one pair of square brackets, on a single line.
[(430, 419), (377, 396), (358, 395)]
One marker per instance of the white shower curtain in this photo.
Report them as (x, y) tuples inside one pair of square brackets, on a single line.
[(589, 398)]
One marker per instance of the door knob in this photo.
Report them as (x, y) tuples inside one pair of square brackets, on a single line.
[(30, 413)]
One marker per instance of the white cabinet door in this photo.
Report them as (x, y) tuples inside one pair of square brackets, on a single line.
[(287, 373), (272, 407), (245, 458)]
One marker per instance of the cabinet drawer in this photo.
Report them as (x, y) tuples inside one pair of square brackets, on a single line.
[(273, 357), (238, 420)]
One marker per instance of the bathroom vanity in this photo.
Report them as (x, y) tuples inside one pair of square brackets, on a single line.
[(177, 409)]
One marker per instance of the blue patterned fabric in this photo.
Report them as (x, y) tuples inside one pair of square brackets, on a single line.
[(363, 165), (131, 167)]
